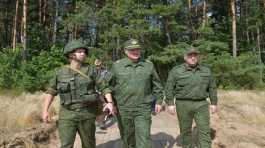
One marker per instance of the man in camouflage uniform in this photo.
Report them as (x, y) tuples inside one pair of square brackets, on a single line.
[(134, 82), (75, 84), (103, 117), (189, 85)]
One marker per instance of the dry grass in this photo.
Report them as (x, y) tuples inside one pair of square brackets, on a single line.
[(248, 106), (24, 111)]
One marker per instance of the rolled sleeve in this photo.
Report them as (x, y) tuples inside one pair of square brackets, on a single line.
[(52, 87)]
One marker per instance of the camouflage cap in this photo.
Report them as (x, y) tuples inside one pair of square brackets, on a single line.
[(132, 44), (73, 45), (191, 50)]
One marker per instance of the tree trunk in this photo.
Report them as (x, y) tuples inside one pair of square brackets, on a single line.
[(169, 40), (189, 4), (258, 38), (259, 54), (44, 11), (40, 11), (14, 40), (248, 37), (252, 36), (246, 18), (264, 3), (204, 19), (24, 30), (233, 10), (54, 36)]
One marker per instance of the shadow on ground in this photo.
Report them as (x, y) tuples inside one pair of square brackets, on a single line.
[(159, 140)]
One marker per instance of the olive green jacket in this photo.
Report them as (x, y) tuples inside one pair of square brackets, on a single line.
[(185, 83), (135, 85), (78, 96)]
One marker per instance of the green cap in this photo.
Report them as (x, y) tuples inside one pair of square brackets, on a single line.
[(191, 50), (71, 46), (132, 44)]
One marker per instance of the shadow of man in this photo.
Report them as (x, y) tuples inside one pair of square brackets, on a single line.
[(164, 140), (160, 140), (111, 144), (195, 140)]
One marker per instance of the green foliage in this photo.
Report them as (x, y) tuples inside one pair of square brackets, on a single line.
[(242, 72), (29, 76), (171, 54), (10, 62)]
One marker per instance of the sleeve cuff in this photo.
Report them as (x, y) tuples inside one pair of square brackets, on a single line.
[(51, 91), (160, 101), (170, 103), (105, 91), (214, 102)]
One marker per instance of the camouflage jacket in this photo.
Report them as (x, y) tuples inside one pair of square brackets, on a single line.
[(77, 92)]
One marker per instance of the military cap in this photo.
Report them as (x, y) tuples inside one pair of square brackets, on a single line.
[(73, 45), (191, 51), (132, 44)]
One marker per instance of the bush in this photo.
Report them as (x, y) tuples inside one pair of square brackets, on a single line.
[(31, 75)]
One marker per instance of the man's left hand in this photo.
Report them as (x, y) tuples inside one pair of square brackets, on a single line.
[(158, 108), (110, 108), (213, 109)]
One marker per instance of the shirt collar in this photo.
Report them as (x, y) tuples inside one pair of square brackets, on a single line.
[(129, 62), (188, 68)]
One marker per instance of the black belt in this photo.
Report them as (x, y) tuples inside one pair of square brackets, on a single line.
[(189, 99)]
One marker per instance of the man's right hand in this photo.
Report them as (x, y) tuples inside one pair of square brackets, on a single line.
[(110, 108), (171, 109), (46, 117), (48, 98)]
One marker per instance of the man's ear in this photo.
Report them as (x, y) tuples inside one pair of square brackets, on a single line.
[(71, 55), (126, 52)]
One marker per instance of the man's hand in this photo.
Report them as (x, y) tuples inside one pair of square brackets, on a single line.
[(172, 109), (48, 98), (158, 108), (46, 117), (110, 108), (213, 109)]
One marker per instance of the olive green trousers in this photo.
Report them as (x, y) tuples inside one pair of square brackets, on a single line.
[(85, 128), (135, 129), (187, 111)]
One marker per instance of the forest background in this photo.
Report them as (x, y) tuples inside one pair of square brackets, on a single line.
[(230, 35)]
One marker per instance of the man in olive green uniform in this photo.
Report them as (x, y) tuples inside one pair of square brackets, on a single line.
[(189, 85), (75, 84), (134, 82)]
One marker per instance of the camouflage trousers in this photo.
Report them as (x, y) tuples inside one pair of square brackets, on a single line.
[(135, 129), (85, 128), (199, 111)]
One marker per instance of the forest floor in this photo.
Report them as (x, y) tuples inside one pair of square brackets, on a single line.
[(239, 123)]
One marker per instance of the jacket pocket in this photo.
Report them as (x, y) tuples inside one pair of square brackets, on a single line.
[(64, 89), (84, 86), (183, 80), (205, 78)]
